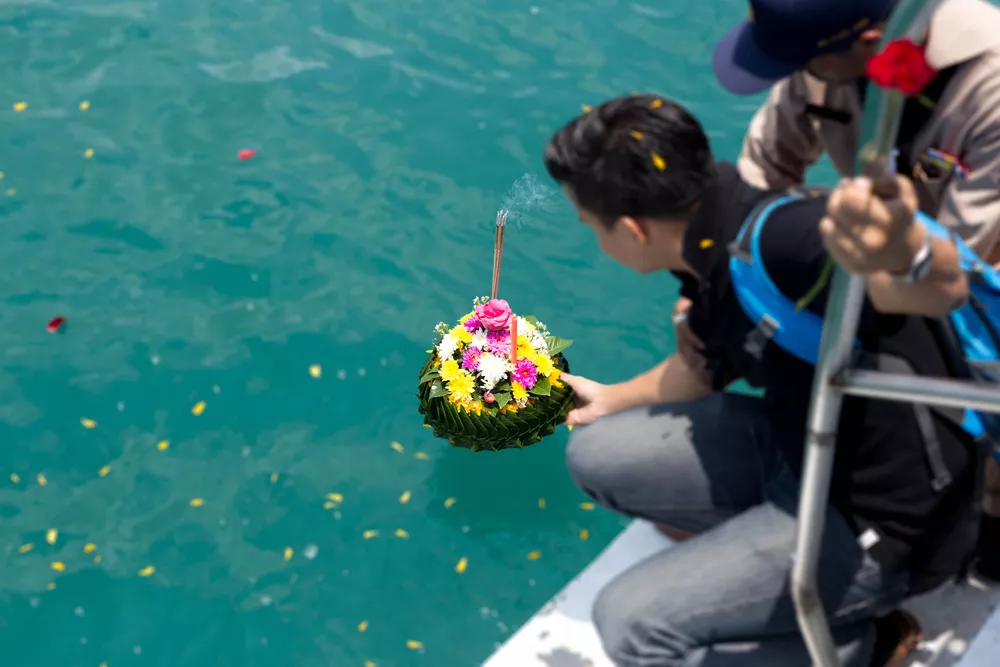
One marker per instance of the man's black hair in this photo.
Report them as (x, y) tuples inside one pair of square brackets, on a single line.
[(641, 156)]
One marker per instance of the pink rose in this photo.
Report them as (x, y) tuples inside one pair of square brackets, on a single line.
[(495, 314), (489, 397)]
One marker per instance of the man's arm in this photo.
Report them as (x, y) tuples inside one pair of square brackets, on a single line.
[(940, 292), (781, 143), (670, 381), (870, 230)]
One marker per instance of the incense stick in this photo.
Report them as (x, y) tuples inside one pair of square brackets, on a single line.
[(498, 249)]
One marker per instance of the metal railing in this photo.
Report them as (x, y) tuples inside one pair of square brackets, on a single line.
[(834, 378)]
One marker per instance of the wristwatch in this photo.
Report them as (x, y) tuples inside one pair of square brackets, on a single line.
[(921, 265)]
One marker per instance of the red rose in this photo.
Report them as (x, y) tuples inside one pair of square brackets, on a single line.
[(901, 66)]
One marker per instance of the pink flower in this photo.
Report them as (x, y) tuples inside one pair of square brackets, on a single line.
[(470, 360), (498, 342), (489, 397), (495, 314), (473, 324), (525, 373)]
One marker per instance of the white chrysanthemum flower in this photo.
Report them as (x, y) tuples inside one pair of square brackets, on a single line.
[(447, 347), (492, 369), (479, 339)]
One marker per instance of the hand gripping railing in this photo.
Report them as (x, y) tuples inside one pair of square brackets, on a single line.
[(834, 377)]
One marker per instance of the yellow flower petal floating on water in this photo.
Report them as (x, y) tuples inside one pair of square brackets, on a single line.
[(413, 645), (541, 503), (329, 505), (51, 536), (369, 663), (402, 533), (423, 456), (163, 445), (316, 371), (58, 566), (14, 477), (89, 547), (20, 106), (362, 626), (51, 586), (1, 175), (103, 472), (534, 555), (274, 478), (395, 445), (11, 192), (463, 563), (584, 534), (588, 507), (25, 548), (97, 559), (335, 497), (289, 552), (88, 423), (147, 571), (449, 502), (197, 502), (586, 108), (659, 162), (369, 534), (405, 498), (84, 105), (89, 153), (42, 480), (198, 408)]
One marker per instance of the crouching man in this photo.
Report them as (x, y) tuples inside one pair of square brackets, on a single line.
[(671, 447)]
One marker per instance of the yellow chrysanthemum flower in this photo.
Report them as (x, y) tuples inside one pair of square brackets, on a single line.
[(476, 407), (554, 378), (518, 391), (510, 407), (544, 364), (466, 318), (461, 334), (461, 386), (450, 370)]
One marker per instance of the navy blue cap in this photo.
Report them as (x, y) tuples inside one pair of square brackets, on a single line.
[(782, 36)]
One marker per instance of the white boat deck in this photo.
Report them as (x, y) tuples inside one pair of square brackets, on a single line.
[(961, 625)]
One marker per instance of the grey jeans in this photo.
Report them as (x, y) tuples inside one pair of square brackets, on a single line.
[(721, 599)]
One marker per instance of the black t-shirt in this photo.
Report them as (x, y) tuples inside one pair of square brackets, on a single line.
[(882, 476)]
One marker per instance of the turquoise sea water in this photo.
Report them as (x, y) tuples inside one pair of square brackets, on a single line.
[(387, 135)]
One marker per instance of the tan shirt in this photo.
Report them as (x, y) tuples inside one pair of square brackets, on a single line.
[(783, 141)]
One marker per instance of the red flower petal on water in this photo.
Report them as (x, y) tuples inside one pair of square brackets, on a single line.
[(55, 324), (246, 154)]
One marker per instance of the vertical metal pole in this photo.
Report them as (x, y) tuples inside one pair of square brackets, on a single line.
[(847, 293)]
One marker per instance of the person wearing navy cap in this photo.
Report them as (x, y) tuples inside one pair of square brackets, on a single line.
[(811, 54)]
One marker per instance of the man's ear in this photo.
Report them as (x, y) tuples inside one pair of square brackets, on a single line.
[(634, 227), (870, 38)]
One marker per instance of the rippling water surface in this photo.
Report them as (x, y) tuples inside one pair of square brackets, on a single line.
[(387, 134)]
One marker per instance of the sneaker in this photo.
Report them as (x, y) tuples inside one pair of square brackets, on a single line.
[(897, 635)]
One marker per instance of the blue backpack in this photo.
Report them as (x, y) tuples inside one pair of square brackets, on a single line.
[(796, 330)]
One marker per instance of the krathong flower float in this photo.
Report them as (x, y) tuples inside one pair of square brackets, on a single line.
[(491, 381)]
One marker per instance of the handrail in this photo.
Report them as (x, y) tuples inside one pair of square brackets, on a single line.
[(880, 125)]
